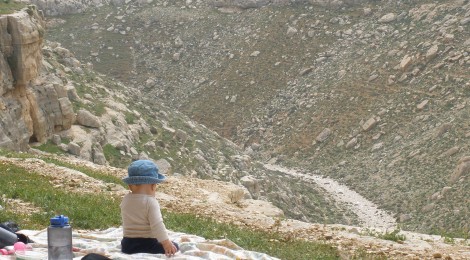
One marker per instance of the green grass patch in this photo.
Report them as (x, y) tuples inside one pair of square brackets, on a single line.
[(49, 147), (130, 118), (88, 171), (114, 157), (8, 7), (393, 236), (86, 211), (270, 243), (99, 108)]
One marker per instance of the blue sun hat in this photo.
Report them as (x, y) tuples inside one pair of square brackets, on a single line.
[(143, 172)]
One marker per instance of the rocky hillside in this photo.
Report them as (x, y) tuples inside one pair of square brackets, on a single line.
[(63, 106), (372, 93)]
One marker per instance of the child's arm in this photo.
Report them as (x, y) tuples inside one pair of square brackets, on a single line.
[(159, 229), (169, 247)]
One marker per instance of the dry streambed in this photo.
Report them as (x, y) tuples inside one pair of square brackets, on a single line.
[(368, 213)]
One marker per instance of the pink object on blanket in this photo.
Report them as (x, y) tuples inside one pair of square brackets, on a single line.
[(19, 246)]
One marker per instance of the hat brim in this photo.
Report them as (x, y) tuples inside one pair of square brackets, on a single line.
[(134, 180)]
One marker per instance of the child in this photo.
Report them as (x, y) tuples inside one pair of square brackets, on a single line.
[(142, 222)]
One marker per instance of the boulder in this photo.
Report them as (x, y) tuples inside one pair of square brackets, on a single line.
[(86, 118), (323, 135), (291, 31), (423, 104), (406, 62), (463, 169), (181, 136), (74, 148), (390, 17), (56, 139), (98, 155), (164, 167), (432, 53), (351, 143), (369, 124), (236, 195), (252, 184)]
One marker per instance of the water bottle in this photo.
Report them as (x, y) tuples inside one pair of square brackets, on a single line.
[(7, 238), (59, 239)]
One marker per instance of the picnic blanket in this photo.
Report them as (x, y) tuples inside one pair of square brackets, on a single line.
[(108, 242)]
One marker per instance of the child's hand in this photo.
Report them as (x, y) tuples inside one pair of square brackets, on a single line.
[(170, 248)]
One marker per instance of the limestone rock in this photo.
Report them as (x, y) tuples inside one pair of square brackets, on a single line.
[(56, 139), (86, 118), (252, 184), (369, 124), (463, 168), (176, 56), (255, 54), (26, 33), (236, 195), (181, 135), (178, 42), (98, 155), (351, 143), (164, 167), (150, 146), (405, 62), (377, 146), (74, 148), (143, 156), (305, 71), (390, 17), (291, 31), (323, 135), (36, 106), (432, 52), (450, 152), (441, 130), (423, 104)]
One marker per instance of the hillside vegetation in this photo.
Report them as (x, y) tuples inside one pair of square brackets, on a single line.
[(39, 186), (373, 94)]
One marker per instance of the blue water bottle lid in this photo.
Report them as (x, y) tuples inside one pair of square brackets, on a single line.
[(60, 221)]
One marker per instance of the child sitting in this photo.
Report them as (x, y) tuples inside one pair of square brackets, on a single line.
[(142, 222)]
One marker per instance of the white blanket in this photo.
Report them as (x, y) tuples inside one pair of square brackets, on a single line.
[(108, 242)]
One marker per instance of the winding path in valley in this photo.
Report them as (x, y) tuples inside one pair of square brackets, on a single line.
[(368, 213)]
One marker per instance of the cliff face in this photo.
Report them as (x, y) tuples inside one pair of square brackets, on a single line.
[(33, 103)]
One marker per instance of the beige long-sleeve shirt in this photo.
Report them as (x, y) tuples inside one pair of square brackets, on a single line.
[(141, 217)]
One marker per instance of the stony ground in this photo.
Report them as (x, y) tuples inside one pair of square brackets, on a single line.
[(373, 95), (225, 202)]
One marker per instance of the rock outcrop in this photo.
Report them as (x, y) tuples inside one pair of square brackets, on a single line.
[(33, 103)]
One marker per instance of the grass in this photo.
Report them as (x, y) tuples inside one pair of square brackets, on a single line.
[(114, 157), (97, 211), (8, 7), (87, 211), (50, 148), (130, 118), (362, 254), (271, 243), (88, 171), (392, 236)]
